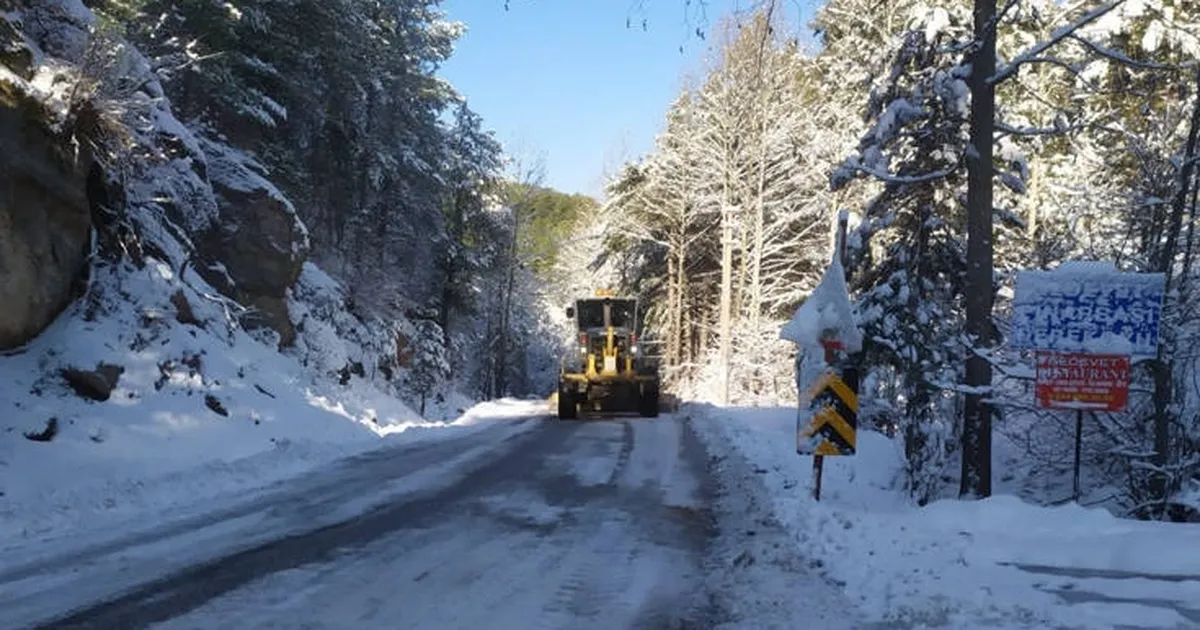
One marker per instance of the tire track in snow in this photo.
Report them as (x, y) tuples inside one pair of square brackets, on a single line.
[(574, 599), (627, 447), (647, 580)]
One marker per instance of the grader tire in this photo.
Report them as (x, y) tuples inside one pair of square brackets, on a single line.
[(648, 403), (568, 409)]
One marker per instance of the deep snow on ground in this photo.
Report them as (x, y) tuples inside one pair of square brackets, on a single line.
[(157, 443), (992, 563)]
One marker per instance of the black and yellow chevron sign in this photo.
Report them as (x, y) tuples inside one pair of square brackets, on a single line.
[(833, 426)]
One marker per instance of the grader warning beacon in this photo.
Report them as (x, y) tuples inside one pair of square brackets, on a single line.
[(607, 370)]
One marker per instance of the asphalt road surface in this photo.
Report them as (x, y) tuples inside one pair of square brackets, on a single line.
[(592, 524)]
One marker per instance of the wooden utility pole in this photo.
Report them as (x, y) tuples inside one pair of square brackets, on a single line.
[(977, 417)]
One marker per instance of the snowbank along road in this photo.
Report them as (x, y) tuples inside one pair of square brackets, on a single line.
[(533, 524)]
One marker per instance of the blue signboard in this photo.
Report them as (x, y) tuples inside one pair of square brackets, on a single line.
[(1088, 309)]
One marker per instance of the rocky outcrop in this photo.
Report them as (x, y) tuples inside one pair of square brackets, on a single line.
[(180, 198), (14, 51), (96, 384), (45, 220), (256, 249)]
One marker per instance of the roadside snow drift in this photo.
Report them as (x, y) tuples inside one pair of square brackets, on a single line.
[(992, 563)]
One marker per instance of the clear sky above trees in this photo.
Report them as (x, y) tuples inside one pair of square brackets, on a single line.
[(580, 82)]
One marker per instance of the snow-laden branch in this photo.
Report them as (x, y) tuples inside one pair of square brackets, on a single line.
[(961, 388), (1055, 61), (888, 178), (1010, 69), (1006, 129), (1122, 58), (1132, 452)]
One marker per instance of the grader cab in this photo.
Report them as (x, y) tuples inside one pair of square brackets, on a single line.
[(607, 370)]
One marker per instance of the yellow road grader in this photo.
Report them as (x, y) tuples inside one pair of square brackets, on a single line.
[(606, 370)]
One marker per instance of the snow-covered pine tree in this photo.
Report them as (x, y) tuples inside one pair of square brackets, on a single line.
[(430, 365), (663, 233), (907, 256), (340, 103), (471, 245)]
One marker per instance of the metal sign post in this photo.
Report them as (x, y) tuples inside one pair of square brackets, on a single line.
[(819, 459), (1097, 382), (1078, 453)]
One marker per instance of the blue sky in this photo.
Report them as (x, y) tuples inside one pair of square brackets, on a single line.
[(567, 82)]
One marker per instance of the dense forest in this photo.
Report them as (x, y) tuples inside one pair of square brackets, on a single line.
[(728, 223)]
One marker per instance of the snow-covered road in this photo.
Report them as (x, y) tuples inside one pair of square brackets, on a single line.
[(581, 525), (699, 519), (531, 523)]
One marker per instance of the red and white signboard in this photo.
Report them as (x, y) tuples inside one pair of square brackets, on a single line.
[(1082, 381)]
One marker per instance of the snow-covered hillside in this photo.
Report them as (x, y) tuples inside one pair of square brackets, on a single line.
[(198, 407)]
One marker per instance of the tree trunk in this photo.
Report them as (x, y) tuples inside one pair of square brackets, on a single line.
[(1034, 201), (977, 417), (1160, 485), (726, 321), (1191, 227), (455, 230), (683, 334), (676, 303), (673, 306), (503, 349), (759, 225)]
